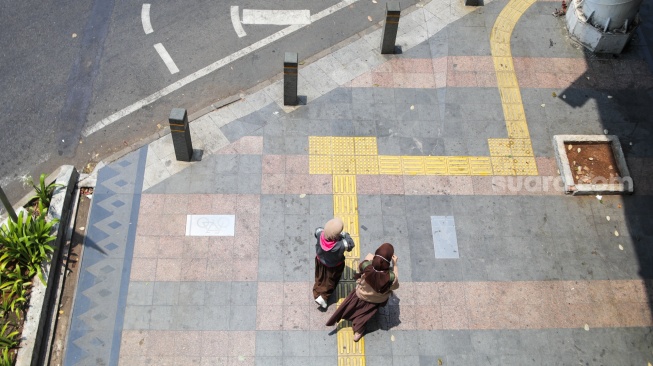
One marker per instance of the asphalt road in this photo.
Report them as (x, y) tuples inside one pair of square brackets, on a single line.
[(67, 65)]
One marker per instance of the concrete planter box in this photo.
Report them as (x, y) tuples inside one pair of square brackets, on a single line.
[(619, 185)]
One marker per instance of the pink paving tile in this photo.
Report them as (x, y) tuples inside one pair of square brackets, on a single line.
[(483, 186), (175, 204), (297, 183), (440, 64), (546, 166), (421, 81), (269, 293), (461, 63), (215, 344), (440, 79), (149, 224), (587, 292), (151, 203), (386, 67), (483, 317), (402, 317), (248, 204), (406, 293), (461, 79), (486, 79), (242, 343), (368, 184), (220, 270), (402, 80), (246, 247), (223, 204), (629, 291), (391, 184), (296, 317), (269, 317), (461, 185), (221, 248), (133, 360), (273, 184), (454, 317), (245, 269), (538, 316), (196, 247), (272, 164), (143, 269), (547, 80), (168, 269), (362, 81), (320, 184), (242, 361), (634, 314), (565, 65), (318, 318), (297, 164), (479, 294), (172, 247), (297, 293), (162, 343), (200, 204), (427, 317), (193, 269), (146, 246), (426, 293), (544, 292), (134, 343), (187, 360), (527, 79), (247, 224), (412, 65), (451, 293), (382, 79), (173, 225), (577, 315), (213, 361)]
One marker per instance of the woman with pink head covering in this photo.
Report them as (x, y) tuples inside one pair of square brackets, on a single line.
[(374, 284), (330, 249)]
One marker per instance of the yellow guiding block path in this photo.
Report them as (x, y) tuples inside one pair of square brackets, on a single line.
[(346, 157)]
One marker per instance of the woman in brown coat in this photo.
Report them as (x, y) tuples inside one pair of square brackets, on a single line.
[(374, 284)]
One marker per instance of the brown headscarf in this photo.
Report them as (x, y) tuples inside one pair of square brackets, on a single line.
[(333, 228), (377, 274)]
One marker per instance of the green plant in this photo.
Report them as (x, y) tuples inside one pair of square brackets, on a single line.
[(43, 191), (8, 337), (6, 359), (25, 243)]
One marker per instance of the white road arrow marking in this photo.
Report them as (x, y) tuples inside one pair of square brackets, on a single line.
[(145, 18), (269, 17)]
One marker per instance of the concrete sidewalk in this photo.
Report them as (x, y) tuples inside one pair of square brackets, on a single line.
[(443, 150)]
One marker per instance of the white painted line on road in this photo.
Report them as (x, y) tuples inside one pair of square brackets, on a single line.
[(235, 20), (145, 18), (166, 58), (276, 17), (211, 68)]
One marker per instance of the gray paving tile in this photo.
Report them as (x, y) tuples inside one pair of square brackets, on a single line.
[(165, 293), (187, 317), (296, 344), (243, 293), (191, 293), (296, 126), (269, 361), (161, 317), (249, 164), (137, 317), (242, 317), (274, 145), (269, 343), (294, 205), (319, 127), (378, 360), (406, 343), (216, 317), (248, 183), (140, 293), (364, 127), (322, 344), (369, 205), (378, 343), (217, 293), (321, 204), (434, 360), (297, 145)]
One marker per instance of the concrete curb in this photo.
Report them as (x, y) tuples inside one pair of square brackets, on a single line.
[(37, 328)]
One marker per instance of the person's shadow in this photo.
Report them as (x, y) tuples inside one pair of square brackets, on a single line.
[(388, 316)]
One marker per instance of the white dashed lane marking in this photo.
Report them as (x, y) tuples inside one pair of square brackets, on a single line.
[(276, 17), (145, 18), (235, 20), (165, 56)]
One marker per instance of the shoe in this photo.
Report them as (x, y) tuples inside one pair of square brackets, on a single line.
[(357, 337), (320, 301)]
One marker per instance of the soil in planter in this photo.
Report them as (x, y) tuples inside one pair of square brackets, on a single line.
[(591, 162)]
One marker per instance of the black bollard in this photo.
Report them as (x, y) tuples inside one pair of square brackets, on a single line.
[(290, 62), (180, 134), (10, 210), (389, 36)]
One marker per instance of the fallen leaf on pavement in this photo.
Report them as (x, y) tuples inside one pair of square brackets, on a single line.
[(369, 18), (302, 195), (587, 327), (392, 337), (621, 247), (607, 218), (74, 35), (616, 233)]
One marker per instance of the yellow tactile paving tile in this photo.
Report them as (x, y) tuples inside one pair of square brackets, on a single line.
[(344, 164), (390, 165), (501, 49), (499, 147), (343, 145), (522, 5), (506, 79), (480, 165), (351, 267), (521, 147), (503, 166), (345, 204), (320, 164), (343, 289), (525, 165), (435, 165), (352, 360), (413, 165), (503, 63), (517, 129), (319, 145), (500, 36), (356, 252), (365, 146), (344, 184), (346, 344), (367, 164), (458, 165), (351, 224), (510, 95), (514, 112)]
